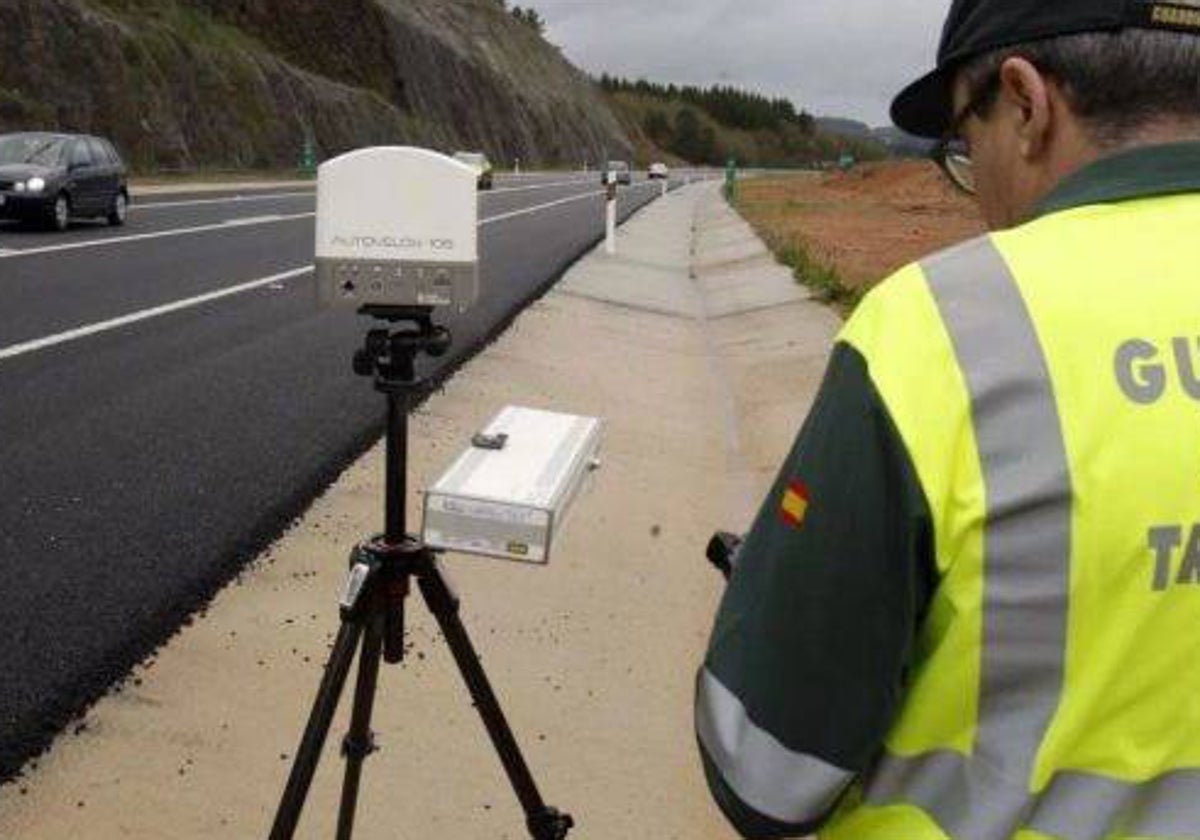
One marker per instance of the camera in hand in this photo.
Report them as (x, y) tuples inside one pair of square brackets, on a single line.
[(722, 552)]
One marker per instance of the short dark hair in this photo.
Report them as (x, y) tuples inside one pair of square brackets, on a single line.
[(1116, 82)]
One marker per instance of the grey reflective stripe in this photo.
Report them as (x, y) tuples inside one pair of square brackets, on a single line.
[(787, 786), (1027, 485), (1026, 553), (1082, 806)]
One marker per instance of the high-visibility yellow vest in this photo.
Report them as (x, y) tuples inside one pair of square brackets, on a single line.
[(1046, 382)]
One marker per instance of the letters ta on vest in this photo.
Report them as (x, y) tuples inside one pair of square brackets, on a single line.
[(1176, 555)]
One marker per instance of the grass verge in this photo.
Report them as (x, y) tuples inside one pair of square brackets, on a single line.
[(792, 250)]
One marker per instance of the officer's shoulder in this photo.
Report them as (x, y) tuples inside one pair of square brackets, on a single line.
[(901, 308), (957, 263)]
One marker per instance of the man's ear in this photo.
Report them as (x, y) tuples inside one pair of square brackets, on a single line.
[(1030, 105)]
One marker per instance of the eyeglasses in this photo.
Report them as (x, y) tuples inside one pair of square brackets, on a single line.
[(952, 153)]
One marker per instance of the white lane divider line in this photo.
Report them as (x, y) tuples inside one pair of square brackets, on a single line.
[(275, 283), (142, 237), (250, 221), (229, 199), (137, 206), (499, 190), (529, 210), (154, 312), (568, 200), (233, 223)]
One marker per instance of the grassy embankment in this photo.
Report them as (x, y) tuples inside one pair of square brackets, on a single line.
[(842, 233)]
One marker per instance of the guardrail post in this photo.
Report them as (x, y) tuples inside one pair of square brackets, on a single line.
[(610, 214)]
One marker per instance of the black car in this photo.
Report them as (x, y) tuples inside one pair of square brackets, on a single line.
[(52, 178)]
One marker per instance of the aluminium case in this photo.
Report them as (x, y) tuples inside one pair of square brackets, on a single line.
[(511, 503)]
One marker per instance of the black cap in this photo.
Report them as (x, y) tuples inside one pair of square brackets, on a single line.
[(975, 27)]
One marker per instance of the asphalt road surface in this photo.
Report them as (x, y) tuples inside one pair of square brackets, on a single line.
[(171, 396)]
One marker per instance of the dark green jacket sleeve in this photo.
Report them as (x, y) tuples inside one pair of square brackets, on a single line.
[(807, 664)]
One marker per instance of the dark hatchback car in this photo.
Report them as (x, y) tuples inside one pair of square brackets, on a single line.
[(51, 178)]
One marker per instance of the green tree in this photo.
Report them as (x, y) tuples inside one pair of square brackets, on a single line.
[(657, 127), (531, 18), (690, 141)]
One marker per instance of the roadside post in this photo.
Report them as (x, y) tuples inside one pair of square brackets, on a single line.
[(666, 185), (610, 212), (731, 176), (308, 158)]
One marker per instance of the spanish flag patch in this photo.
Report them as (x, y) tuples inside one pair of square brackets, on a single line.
[(794, 507)]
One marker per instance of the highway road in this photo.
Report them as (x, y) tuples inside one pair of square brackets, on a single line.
[(171, 397)]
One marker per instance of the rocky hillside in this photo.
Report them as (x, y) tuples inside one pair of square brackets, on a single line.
[(189, 84)]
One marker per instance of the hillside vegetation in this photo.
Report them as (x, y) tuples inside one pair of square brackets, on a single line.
[(711, 125), (186, 84)]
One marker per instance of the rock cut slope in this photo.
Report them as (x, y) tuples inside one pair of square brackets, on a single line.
[(183, 84)]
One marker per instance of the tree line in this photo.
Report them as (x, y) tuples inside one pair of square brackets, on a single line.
[(727, 105), (710, 125)]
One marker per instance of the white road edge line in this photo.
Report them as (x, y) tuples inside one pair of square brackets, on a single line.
[(27, 347)]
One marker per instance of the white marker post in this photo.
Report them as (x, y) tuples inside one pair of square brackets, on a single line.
[(610, 208), (665, 184)]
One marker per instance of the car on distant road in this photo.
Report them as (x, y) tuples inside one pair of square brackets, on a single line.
[(52, 178), (659, 171), (482, 166), (620, 172)]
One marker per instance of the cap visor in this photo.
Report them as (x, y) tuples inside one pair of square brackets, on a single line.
[(923, 108)]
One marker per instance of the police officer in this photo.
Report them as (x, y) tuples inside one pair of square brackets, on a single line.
[(970, 606)]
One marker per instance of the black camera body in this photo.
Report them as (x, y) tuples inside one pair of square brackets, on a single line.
[(722, 552)]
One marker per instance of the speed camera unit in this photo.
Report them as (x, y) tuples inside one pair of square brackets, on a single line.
[(397, 227), (509, 494)]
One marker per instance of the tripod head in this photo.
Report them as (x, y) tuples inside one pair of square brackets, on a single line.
[(389, 354)]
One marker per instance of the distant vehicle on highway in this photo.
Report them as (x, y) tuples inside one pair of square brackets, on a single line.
[(482, 166), (620, 170), (51, 178), (659, 171)]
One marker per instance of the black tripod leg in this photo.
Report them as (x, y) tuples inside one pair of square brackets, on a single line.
[(359, 742), (544, 823), (315, 732)]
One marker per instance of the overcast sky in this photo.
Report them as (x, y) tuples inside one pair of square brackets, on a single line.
[(841, 58)]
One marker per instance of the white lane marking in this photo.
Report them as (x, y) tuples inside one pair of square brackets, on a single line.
[(275, 282), (243, 199), (236, 199), (528, 210), (132, 318), (499, 190), (141, 237), (568, 200), (258, 220), (252, 220)]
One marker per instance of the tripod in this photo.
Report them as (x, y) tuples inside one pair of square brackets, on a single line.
[(372, 605)]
